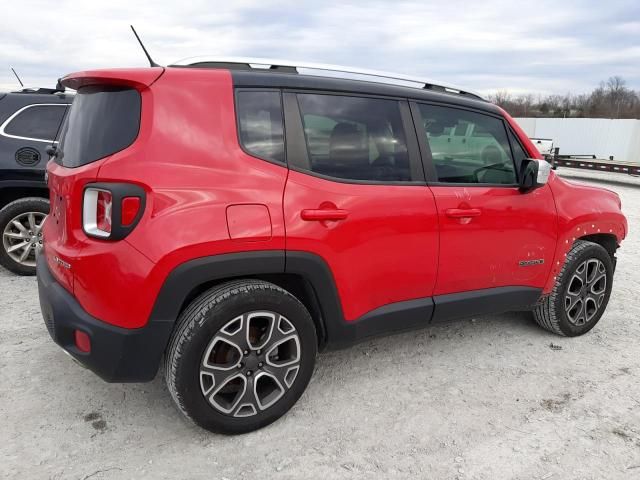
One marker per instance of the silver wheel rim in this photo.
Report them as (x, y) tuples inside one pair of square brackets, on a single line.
[(23, 236), (250, 363), (586, 292)]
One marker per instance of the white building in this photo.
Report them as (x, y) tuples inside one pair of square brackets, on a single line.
[(601, 137)]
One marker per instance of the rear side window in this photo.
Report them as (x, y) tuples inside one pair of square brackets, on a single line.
[(102, 121), (479, 154), (355, 138), (260, 124), (36, 122)]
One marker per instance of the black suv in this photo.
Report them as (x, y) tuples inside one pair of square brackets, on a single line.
[(29, 123)]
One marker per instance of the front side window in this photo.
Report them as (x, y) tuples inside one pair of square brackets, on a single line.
[(478, 152), (355, 138), (260, 124), (36, 122), (518, 152)]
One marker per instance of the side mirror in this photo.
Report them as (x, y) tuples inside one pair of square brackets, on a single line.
[(535, 174)]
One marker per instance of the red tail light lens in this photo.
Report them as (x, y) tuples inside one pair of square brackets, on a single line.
[(104, 208), (130, 208), (82, 340)]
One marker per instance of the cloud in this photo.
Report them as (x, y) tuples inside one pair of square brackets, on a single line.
[(540, 47)]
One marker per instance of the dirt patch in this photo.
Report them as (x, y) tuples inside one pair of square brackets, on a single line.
[(97, 422), (556, 404)]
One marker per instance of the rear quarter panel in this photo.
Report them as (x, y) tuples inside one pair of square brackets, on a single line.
[(188, 160)]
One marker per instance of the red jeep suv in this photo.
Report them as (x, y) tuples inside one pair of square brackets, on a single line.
[(235, 217)]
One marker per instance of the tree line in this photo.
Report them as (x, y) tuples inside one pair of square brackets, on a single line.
[(611, 99)]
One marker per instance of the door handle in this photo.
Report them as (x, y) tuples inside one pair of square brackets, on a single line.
[(323, 214), (462, 212)]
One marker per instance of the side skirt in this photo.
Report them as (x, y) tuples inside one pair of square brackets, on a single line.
[(415, 314), (454, 306)]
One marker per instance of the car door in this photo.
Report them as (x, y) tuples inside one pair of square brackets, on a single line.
[(356, 198), (492, 236)]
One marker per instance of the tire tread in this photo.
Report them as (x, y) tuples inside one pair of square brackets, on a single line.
[(196, 312), (544, 313)]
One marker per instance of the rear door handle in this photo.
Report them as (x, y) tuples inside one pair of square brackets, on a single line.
[(323, 214), (462, 212)]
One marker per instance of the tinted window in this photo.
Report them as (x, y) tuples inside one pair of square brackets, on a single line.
[(518, 152), (102, 121), (355, 138), (480, 154), (260, 119), (40, 122)]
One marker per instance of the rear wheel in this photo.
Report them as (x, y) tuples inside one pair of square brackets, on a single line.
[(241, 356), (21, 224), (581, 292)]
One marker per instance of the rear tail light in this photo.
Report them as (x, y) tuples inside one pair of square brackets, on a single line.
[(97, 212), (130, 209), (111, 210)]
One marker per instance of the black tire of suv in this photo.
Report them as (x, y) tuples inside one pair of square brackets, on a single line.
[(196, 327), (10, 211), (550, 312)]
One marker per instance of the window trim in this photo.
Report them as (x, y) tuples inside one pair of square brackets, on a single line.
[(425, 149), (297, 149), (284, 124), (511, 132), (26, 107)]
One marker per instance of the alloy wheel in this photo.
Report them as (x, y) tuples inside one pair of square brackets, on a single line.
[(586, 292), (23, 236), (250, 363)]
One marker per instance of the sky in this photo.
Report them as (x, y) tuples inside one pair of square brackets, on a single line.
[(539, 47)]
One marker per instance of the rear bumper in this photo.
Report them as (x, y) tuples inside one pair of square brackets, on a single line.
[(117, 354)]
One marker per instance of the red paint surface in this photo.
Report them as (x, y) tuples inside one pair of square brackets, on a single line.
[(384, 251), (483, 251), (205, 196), (249, 223)]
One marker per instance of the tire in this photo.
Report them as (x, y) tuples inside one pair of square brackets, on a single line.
[(12, 237), (203, 344), (563, 311)]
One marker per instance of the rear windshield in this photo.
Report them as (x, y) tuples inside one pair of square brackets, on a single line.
[(102, 121)]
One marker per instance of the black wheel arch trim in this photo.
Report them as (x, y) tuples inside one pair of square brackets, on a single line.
[(334, 332), (189, 276)]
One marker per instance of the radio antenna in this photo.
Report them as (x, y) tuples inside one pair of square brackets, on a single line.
[(14, 72), (151, 62)]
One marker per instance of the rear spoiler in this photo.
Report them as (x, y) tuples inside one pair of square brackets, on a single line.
[(131, 77)]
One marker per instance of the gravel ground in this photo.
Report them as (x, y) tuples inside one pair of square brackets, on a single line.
[(491, 398)]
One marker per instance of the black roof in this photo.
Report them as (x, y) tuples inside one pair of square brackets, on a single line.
[(270, 79)]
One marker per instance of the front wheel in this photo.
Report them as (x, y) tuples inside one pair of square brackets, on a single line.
[(21, 224), (241, 355), (581, 292)]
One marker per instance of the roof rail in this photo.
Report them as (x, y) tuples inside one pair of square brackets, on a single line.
[(288, 66), (39, 91)]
